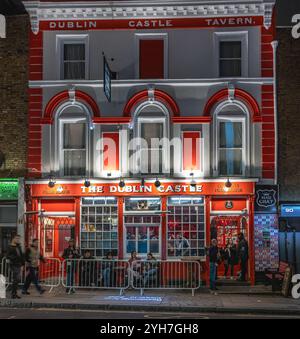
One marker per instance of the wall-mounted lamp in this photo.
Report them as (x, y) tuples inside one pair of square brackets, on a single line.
[(228, 184), (122, 183), (51, 183), (157, 183), (193, 182), (87, 183)]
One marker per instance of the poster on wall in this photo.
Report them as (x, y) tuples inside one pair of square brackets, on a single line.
[(266, 199)]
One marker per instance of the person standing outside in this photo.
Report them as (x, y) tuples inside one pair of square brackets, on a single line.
[(16, 261), (33, 258), (71, 253), (243, 255), (214, 257), (230, 258)]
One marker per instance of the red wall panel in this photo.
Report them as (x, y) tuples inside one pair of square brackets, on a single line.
[(151, 59)]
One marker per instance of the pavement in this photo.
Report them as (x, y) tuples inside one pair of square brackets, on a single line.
[(247, 301)]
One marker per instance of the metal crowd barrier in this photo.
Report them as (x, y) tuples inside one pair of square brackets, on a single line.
[(95, 274), (114, 274), (49, 273), (165, 275)]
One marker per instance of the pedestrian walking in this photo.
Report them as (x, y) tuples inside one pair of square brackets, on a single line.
[(16, 261), (33, 258)]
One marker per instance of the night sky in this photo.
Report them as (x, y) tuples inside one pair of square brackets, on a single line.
[(285, 9)]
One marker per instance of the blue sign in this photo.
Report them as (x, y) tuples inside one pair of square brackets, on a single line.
[(292, 211)]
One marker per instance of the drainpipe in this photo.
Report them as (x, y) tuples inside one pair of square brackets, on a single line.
[(275, 45)]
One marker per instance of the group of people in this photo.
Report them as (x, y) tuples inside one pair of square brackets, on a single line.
[(232, 255), (17, 259), (142, 271)]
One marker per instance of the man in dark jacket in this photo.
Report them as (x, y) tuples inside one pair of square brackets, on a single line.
[(16, 261), (70, 255), (214, 256), (243, 254), (33, 258)]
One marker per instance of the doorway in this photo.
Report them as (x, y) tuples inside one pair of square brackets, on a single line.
[(226, 230), (56, 232)]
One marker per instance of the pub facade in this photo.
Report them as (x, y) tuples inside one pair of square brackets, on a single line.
[(152, 127)]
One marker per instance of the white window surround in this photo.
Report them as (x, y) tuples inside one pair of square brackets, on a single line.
[(197, 173), (244, 117), (241, 36), (61, 40), (57, 135), (152, 36), (138, 120)]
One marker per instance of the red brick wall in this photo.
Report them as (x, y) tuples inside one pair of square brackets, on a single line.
[(35, 106), (268, 116), (288, 74), (14, 96)]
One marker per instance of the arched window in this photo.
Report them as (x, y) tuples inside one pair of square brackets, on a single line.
[(72, 137), (152, 132), (231, 140)]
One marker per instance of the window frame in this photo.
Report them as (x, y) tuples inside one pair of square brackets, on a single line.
[(61, 152), (138, 120), (232, 37), (61, 40), (152, 36), (244, 118)]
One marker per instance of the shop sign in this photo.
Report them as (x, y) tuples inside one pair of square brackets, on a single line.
[(266, 199), (168, 23), (214, 188), (9, 190), (292, 211)]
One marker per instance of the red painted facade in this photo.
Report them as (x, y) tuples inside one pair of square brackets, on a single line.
[(220, 202)]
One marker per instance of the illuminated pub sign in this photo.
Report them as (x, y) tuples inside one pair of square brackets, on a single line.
[(9, 189), (206, 188)]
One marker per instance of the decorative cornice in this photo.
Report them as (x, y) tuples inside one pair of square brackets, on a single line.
[(40, 11)]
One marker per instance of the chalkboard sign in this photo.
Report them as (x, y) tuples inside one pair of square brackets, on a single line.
[(287, 280)]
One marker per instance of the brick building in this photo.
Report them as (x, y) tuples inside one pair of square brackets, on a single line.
[(201, 74), (288, 75), (13, 116)]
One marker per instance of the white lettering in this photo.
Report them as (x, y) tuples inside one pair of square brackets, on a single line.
[(296, 288), (2, 26), (296, 28), (229, 21)]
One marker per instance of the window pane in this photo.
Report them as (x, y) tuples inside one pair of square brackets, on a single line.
[(230, 49), (230, 68), (74, 61), (74, 70), (151, 153), (152, 131), (231, 162), (74, 52), (231, 135), (230, 58), (74, 136), (74, 163)]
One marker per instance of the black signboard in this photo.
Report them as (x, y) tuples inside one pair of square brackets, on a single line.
[(266, 199), (107, 77)]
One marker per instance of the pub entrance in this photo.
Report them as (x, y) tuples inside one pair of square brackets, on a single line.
[(225, 229)]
